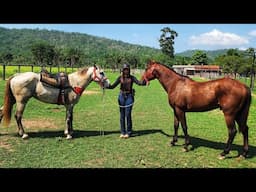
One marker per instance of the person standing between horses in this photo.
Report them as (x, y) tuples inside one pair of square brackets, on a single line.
[(126, 99)]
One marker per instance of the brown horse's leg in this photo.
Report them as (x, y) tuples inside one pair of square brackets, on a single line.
[(182, 118), (18, 116), (231, 133), (1, 114), (246, 146), (176, 126), (69, 121), (244, 129)]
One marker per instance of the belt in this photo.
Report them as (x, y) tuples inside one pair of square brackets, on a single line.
[(125, 92)]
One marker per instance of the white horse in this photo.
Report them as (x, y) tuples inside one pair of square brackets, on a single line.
[(21, 87)]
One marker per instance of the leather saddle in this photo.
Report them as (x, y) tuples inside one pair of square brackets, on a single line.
[(59, 81)]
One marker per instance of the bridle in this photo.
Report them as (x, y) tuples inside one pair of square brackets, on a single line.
[(98, 79), (146, 79), (152, 73)]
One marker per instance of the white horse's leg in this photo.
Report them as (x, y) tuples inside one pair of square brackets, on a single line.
[(69, 121), (18, 116)]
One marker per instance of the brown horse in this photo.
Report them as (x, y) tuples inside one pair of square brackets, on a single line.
[(186, 95)]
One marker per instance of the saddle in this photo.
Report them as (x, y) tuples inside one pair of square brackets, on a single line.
[(59, 80)]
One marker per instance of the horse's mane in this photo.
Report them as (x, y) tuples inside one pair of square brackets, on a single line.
[(172, 70), (82, 71)]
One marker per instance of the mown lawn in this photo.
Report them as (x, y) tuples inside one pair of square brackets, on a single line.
[(96, 142)]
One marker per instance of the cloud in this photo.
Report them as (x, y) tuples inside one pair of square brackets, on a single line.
[(242, 48), (217, 38), (252, 33)]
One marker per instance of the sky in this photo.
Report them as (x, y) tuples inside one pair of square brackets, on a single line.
[(190, 36)]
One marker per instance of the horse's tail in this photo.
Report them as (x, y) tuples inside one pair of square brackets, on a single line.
[(244, 111), (9, 101)]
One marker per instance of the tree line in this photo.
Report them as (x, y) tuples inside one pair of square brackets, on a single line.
[(55, 48)]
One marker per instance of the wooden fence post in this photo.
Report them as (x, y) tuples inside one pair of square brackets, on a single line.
[(4, 71)]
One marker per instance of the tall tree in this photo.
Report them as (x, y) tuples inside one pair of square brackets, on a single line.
[(167, 41), (43, 53), (199, 57), (72, 56), (232, 62), (6, 57), (251, 51), (233, 52)]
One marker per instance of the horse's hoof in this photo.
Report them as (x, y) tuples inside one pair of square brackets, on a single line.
[(69, 136), (172, 143), (242, 157), (24, 136), (221, 157), (185, 149), (191, 148)]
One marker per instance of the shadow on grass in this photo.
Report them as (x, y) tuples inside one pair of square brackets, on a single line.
[(199, 142), (148, 131), (82, 133)]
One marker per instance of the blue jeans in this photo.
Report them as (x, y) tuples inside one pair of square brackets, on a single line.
[(125, 104)]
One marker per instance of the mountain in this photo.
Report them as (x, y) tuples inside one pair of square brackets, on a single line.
[(211, 54), (95, 49), (103, 51)]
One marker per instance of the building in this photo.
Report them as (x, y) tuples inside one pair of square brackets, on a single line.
[(207, 71)]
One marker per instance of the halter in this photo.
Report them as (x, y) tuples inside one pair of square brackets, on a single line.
[(79, 90), (146, 79), (98, 79)]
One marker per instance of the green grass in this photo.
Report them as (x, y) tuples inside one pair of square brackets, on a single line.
[(96, 142)]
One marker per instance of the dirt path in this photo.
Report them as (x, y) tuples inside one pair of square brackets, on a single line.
[(90, 92)]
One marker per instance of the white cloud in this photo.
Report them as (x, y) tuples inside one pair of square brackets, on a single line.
[(217, 38), (243, 48), (252, 33)]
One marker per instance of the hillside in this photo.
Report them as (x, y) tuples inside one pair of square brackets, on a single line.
[(18, 42), (103, 51), (211, 54)]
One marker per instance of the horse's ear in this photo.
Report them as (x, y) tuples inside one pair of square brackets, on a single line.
[(94, 65), (151, 61)]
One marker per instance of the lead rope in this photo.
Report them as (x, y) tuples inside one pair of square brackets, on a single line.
[(103, 112)]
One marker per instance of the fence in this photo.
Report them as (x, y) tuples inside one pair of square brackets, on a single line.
[(8, 70)]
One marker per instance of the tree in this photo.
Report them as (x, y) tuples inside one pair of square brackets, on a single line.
[(43, 53), (167, 41), (251, 52), (233, 62), (59, 57), (6, 57), (233, 52), (199, 57), (180, 60), (72, 56)]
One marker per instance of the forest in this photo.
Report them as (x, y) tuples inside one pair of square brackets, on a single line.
[(55, 48)]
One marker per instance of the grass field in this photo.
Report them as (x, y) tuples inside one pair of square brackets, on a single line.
[(96, 142)]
